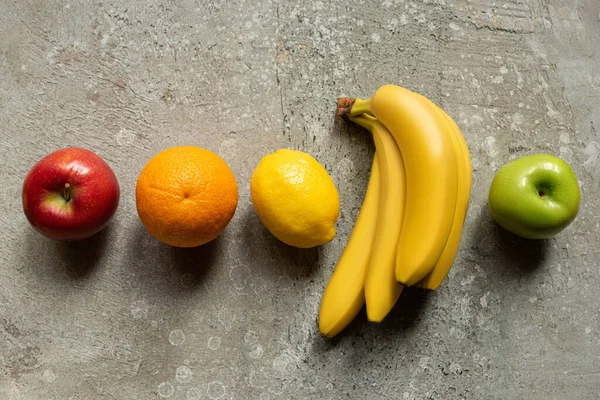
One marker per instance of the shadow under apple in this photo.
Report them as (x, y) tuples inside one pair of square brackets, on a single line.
[(80, 257), (516, 255), (64, 260)]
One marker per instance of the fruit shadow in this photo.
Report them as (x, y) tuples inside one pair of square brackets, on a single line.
[(401, 321), (169, 268), (355, 133), (65, 260), (517, 256), (273, 256)]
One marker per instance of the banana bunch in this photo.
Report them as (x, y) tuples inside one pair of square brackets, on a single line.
[(410, 224)]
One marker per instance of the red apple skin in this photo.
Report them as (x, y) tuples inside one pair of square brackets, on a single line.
[(93, 192)]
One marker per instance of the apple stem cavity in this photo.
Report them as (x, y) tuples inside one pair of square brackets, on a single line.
[(67, 192)]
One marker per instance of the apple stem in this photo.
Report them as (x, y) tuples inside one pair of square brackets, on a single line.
[(67, 192)]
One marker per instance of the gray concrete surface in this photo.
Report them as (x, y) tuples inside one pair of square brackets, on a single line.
[(123, 317)]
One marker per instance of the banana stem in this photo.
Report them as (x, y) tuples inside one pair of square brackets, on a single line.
[(344, 106), (348, 107), (360, 107), (365, 120)]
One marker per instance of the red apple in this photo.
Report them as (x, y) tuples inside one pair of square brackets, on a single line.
[(70, 194)]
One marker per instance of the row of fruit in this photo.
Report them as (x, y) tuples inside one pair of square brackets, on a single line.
[(409, 228), (185, 196)]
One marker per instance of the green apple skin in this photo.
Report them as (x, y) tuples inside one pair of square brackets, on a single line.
[(535, 196)]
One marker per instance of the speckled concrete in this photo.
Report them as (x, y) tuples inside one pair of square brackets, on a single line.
[(123, 317)]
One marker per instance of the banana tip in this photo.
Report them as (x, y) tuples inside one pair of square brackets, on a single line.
[(328, 332), (376, 317)]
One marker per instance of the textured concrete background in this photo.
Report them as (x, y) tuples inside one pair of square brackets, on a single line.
[(123, 317)]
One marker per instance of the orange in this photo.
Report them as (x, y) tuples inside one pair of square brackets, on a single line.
[(185, 196)]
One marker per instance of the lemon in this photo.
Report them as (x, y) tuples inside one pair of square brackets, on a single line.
[(295, 198)]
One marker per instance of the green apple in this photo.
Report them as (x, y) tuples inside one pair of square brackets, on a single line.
[(535, 196)]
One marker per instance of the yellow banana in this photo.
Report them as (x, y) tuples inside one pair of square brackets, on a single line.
[(344, 296), (431, 177), (381, 288), (441, 269)]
